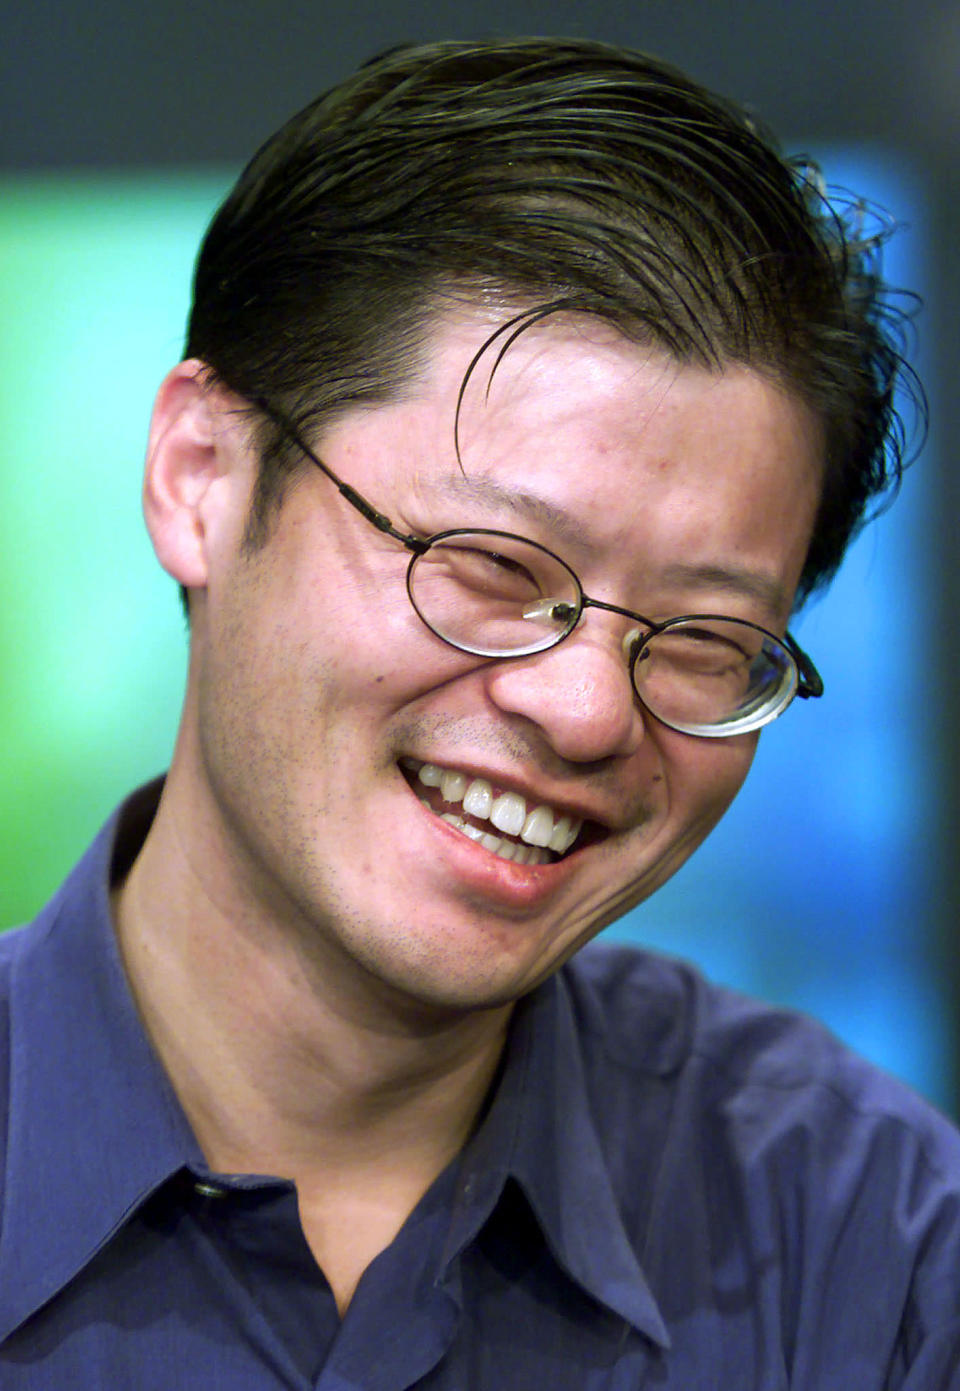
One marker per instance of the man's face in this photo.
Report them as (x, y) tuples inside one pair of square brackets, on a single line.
[(319, 694)]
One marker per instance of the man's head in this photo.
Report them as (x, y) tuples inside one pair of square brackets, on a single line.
[(551, 290), (539, 176)]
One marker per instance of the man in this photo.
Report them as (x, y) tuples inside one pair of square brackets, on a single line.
[(306, 1085)]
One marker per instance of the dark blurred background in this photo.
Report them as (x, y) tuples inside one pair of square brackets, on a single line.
[(111, 97)]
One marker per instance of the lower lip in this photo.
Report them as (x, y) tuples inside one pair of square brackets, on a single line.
[(514, 885)]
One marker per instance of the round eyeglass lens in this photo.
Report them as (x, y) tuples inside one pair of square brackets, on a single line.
[(714, 676), (493, 594)]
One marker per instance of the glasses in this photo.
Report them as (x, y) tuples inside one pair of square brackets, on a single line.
[(494, 594)]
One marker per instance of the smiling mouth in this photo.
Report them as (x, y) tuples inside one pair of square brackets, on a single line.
[(501, 822)]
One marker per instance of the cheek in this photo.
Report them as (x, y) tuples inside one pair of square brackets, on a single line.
[(704, 775), (300, 668)]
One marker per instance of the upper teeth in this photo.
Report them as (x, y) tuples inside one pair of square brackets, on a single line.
[(508, 812)]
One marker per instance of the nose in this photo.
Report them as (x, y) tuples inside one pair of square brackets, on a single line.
[(578, 693)]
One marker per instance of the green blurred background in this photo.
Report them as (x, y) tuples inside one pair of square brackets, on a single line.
[(94, 283)]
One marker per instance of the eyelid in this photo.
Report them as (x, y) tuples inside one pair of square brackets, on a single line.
[(707, 635)]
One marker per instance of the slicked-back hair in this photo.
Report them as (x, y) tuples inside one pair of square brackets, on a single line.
[(559, 176)]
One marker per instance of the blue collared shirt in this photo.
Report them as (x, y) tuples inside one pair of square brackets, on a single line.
[(672, 1187)]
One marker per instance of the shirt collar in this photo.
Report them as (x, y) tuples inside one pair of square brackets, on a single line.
[(540, 1131), (94, 1125)]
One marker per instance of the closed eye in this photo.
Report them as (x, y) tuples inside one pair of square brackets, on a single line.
[(491, 572)]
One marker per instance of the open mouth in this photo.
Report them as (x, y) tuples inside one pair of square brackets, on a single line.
[(501, 822)]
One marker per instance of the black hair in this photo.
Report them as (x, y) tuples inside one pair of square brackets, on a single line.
[(562, 175)]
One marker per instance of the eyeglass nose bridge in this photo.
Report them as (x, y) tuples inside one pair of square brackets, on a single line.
[(569, 614), (635, 636), (633, 640)]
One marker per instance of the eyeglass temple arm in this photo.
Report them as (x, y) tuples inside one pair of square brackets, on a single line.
[(810, 685), (382, 523), (355, 499)]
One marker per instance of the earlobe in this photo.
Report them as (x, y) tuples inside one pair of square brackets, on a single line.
[(186, 461)]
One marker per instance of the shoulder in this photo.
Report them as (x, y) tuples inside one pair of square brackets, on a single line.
[(781, 1106), (653, 1015), (21, 950), (15, 945), (18, 943), (761, 1134)]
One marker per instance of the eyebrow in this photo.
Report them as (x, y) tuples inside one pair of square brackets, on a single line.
[(733, 579), (730, 579), (527, 505)]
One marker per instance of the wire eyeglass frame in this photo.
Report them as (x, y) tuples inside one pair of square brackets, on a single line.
[(803, 681)]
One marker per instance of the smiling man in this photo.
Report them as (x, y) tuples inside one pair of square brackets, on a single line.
[(527, 391)]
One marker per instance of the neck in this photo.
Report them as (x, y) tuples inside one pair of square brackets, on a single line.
[(290, 1061)]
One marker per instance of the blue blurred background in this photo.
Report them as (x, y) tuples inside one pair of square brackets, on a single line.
[(831, 886)]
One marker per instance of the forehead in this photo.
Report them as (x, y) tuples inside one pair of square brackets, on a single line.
[(579, 375)]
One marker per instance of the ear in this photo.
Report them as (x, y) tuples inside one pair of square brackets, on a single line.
[(190, 481)]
